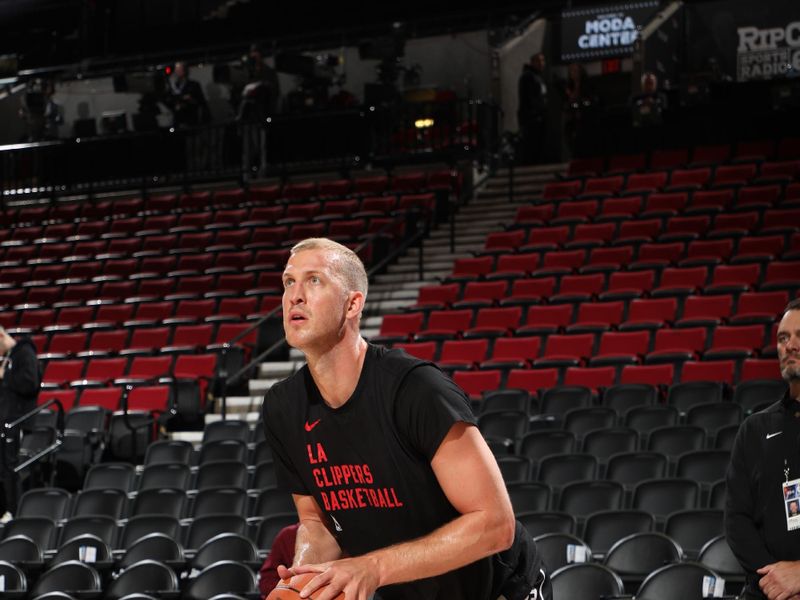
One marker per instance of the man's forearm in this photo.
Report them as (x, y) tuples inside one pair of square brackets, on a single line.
[(315, 544), (464, 540)]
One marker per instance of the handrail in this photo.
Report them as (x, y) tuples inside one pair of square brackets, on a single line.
[(7, 427)]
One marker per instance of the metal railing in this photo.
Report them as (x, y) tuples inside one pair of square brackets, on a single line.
[(12, 429), (338, 140)]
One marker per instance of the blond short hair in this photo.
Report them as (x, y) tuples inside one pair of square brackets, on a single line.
[(350, 270)]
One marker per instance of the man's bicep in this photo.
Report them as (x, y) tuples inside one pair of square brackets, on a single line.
[(468, 473)]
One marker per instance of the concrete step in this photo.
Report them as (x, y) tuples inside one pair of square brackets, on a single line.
[(251, 417), (258, 387), (413, 267), (371, 321), (399, 278), (389, 306), (193, 437), (533, 169), (409, 290), (277, 369), (240, 404), (370, 332)]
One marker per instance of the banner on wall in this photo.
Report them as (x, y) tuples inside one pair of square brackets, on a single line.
[(746, 42), (606, 31), (766, 52)]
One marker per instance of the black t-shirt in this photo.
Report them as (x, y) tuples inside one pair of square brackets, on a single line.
[(755, 508), (367, 463)]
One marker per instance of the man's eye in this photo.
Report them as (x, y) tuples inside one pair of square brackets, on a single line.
[(315, 279), (287, 282)]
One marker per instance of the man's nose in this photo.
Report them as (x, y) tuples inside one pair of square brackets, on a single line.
[(295, 294)]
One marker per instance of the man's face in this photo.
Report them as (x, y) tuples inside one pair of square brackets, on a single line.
[(793, 508), (537, 62), (180, 70), (649, 84), (314, 301), (789, 346)]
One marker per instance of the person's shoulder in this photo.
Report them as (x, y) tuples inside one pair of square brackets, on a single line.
[(764, 418), (285, 389), (393, 360)]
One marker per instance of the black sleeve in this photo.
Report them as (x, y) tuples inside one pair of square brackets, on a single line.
[(24, 377), (427, 405), (287, 476), (741, 501)]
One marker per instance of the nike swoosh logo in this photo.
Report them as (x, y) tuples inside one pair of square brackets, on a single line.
[(310, 426), (769, 435)]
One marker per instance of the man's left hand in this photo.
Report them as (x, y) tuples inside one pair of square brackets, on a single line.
[(356, 577), (780, 580)]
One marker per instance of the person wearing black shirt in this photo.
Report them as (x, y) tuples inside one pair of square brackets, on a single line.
[(763, 472), (20, 378), (185, 98), (395, 488), (532, 110)]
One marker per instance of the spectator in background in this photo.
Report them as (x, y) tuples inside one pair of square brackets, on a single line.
[(650, 103), (281, 553), (259, 100), (20, 378), (580, 102), (532, 110), (185, 98), (42, 115)]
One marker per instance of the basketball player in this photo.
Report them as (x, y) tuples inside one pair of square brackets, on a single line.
[(395, 489)]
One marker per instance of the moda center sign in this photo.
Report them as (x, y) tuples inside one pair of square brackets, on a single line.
[(767, 52), (606, 31)]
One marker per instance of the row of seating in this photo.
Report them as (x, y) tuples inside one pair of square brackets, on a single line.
[(566, 370), (597, 431), (730, 208), (784, 149), (554, 399), (677, 180), (675, 580), (649, 323), (87, 259), (513, 287), (183, 219), (60, 506), (247, 236), (76, 579), (140, 339), (632, 244), (235, 197)]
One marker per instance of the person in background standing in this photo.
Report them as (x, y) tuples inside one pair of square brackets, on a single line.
[(20, 378), (532, 110)]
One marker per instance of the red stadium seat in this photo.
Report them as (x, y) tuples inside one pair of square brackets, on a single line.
[(474, 383), (621, 348), (717, 371), (649, 374), (462, 354), (532, 380)]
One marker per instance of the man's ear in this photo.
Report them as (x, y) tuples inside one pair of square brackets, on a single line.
[(355, 304)]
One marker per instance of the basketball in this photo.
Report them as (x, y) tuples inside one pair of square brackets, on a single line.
[(289, 589)]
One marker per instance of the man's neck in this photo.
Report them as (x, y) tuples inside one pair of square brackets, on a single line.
[(794, 390), (337, 371)]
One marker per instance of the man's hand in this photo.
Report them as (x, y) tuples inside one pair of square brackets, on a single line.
[(356, 577), (780, 580)]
